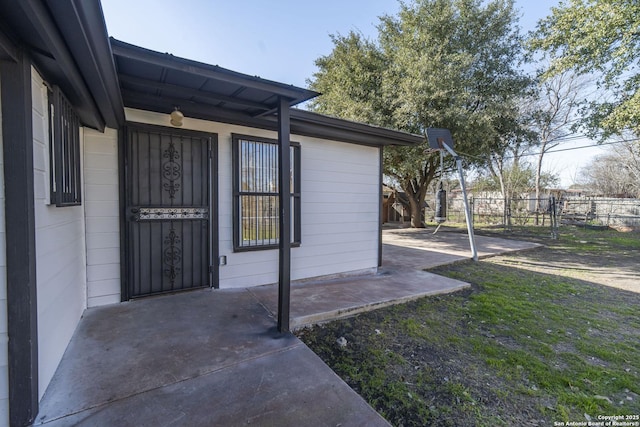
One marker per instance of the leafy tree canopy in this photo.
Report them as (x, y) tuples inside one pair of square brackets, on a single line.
[(438, 63), (600, 37)]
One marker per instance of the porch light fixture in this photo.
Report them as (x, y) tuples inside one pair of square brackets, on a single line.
[(176, 117)]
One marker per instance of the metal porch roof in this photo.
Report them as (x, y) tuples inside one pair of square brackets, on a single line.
[(160, 82)]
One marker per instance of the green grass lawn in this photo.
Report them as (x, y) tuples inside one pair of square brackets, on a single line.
[(520, 348)]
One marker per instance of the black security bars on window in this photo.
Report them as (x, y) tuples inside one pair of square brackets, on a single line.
[(256, 216), (64, 151)]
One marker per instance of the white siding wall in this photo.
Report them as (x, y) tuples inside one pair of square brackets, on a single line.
[(4, 358), (60, 253), (101, 215), (339, 207)]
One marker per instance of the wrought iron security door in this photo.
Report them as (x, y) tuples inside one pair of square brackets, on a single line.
[(168, 193)]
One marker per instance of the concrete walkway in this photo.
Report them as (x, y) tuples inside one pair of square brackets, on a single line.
[(214, 358), (421, 249)]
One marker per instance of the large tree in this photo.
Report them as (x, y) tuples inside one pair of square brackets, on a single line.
[(600, 38), (552, 111), (438, 63)]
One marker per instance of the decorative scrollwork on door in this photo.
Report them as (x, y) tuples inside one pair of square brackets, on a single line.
[(171, 170), (172, 255), (146, 214)]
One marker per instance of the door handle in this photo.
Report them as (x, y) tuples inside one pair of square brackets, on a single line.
[(135, 216)]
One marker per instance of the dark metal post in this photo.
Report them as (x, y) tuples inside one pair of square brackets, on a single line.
[(553, 213), (380, 207), (284, 195), (22, 312)]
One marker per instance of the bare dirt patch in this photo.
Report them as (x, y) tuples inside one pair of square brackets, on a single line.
[(606, 257)]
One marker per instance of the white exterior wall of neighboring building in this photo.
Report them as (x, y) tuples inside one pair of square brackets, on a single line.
[(4, 338), (60, 252), (340, 207), (102, 222)]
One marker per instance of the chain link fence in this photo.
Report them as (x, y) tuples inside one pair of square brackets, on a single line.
[(522, 214)]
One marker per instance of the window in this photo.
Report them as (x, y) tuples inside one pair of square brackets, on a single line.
[(255, 190), (64, 150)]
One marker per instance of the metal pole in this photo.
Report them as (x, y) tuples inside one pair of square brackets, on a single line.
[(554, 218), (284, 221), (467, 214)]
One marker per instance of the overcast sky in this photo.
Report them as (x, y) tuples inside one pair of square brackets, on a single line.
[(278, 39)]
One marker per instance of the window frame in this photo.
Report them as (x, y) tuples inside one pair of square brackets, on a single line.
[(65, 184), (238, 193)]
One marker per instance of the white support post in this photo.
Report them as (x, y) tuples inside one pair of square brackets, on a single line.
[(467, 213)]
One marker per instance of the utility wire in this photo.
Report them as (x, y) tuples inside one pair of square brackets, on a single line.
[(587, 146), (559, 149)]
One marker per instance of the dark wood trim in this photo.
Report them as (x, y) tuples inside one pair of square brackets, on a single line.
[(235, 185), (214, 222), (122, 194), (22, 311), (360, 133), (284, 244), (296, 193), (262, 248), (8, 49), (380, 206)]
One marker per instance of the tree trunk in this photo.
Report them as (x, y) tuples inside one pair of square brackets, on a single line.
[(507, 201), (538, 174), (417, 220), (416, 190)]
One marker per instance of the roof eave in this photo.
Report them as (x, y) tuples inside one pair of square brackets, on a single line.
[(294, 94), (88, 41), (8, 49), (54, 59), (67, 42), (152, 81), (350, 131)]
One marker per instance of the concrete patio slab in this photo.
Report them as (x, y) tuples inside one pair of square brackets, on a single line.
[(199, 358), (214, 357), (290, 387), (406, 252), (322, 301)]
